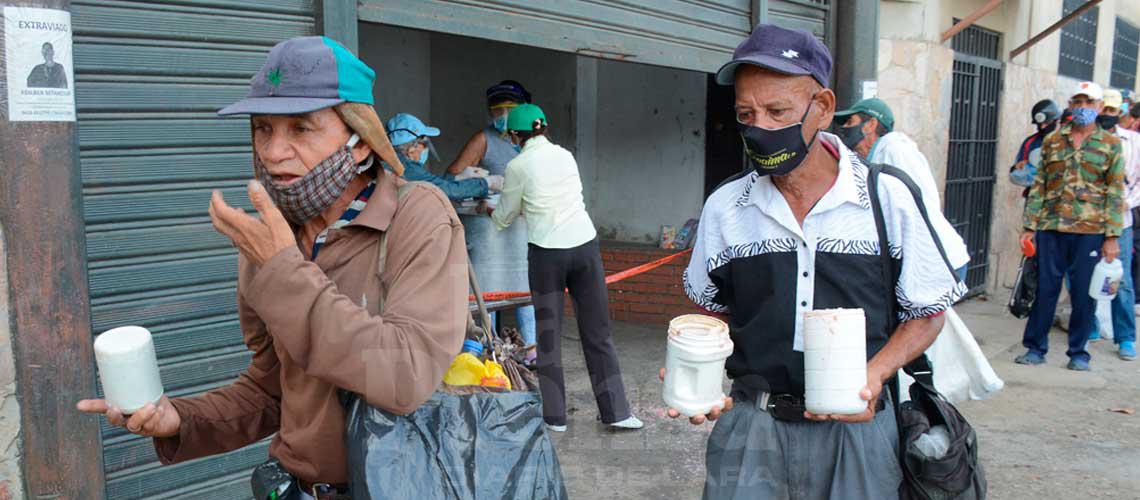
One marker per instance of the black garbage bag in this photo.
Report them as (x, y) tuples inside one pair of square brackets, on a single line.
[(958, 474), (1024, 292), (488, 445)]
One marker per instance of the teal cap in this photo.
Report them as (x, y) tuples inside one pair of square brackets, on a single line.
[(405, 127), (526, 118), (306, 74), (873, 107)]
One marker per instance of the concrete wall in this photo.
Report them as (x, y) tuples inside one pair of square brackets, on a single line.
[(650, 149), (402, 60), (915, 80), (461, 70), (11, 476)]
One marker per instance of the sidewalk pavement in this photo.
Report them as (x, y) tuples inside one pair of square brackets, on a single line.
[(1047, 435)]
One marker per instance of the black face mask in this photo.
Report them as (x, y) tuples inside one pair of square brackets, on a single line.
[(776, 151), (1107, 122), (851, 136), (1048, 127)]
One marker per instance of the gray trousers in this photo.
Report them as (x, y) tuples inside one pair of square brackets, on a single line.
[(579, 270), (753, 456)]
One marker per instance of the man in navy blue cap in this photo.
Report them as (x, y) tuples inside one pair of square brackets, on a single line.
[(797, 233)]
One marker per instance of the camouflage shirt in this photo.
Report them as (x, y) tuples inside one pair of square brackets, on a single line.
[(1078, 190)]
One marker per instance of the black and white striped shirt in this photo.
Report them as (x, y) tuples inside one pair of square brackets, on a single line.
[(753, 261)]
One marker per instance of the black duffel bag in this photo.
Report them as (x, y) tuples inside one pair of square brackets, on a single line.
[(1024, 292), (956, 475)]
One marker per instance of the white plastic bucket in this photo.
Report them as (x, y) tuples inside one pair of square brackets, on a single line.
[(697, 347)]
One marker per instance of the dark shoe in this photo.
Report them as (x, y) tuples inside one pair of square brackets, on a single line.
[(1030, 358), (1079, 365)]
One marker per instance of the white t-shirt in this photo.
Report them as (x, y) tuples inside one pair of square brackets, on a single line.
[(898, 150), (542, 183)]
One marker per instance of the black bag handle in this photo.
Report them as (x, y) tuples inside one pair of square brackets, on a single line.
[(919, 368)]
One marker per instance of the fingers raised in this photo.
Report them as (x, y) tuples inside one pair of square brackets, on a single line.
[(270, 215)]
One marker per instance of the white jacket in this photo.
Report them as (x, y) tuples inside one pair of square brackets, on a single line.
[(898, 150)]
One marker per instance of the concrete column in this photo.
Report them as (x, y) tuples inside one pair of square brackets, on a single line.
[(46, 307), (586, 125), (856, 48), (337, 20)]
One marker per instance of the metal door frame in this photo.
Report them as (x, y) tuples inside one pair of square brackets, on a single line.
[(969, 196)]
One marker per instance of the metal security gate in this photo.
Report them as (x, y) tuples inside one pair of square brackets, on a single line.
[(150, 76), (972, 160)]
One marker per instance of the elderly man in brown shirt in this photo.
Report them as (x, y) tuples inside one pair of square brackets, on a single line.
[(316, 308)]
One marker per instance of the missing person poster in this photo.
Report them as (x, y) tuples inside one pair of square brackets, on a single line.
[(41, 77)]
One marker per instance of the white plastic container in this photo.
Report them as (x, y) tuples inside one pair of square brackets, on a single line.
[(1106, 279), (694, 364), (128, 368), (835, 361)]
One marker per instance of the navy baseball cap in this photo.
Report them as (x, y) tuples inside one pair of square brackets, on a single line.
[(305, 74), (783, 50)]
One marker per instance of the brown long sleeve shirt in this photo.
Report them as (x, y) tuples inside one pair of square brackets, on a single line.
[(315, 327)]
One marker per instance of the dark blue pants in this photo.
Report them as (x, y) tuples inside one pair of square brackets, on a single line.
[(1058, 253)]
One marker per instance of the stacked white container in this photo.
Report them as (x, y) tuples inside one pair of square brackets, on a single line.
[(694, 364), (835, 361)]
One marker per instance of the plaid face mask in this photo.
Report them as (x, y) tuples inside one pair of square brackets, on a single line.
[(300, 201)]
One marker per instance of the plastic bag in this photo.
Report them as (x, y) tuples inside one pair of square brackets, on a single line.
[(1023, 176), (961, 370), (470, 447), (1024, 292)]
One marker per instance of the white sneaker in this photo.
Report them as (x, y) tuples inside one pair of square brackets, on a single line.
[(630, 423), (556, 428)]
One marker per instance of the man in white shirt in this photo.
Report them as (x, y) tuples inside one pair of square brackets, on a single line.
[(542, 184), (868, 129), (1123, 315)]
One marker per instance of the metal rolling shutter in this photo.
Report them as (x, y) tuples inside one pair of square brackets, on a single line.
[(150, 75), (687, 34), (811, 15)]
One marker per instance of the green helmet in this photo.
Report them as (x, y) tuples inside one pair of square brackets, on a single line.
[(525, 118)]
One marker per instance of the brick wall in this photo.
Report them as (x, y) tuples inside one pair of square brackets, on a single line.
[(654, 297)]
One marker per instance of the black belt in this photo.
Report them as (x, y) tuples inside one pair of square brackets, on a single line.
[(785, 407)]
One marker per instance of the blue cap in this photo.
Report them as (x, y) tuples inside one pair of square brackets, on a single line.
[(305, 74), (473, 347), (404, 128), (783, 50)]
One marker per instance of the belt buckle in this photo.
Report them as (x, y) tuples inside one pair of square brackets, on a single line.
[(786, 407), (322, 490)]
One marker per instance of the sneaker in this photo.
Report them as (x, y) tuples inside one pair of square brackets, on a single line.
[(630, 423), (1095, 336), (1079, 365), (1030, 358), (556, 428), (1127, 350)]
